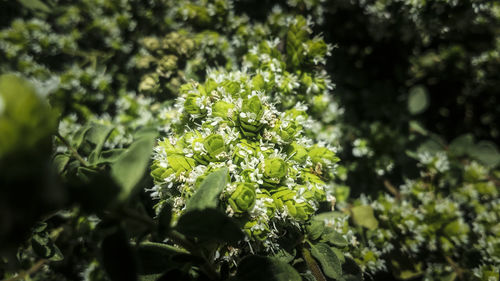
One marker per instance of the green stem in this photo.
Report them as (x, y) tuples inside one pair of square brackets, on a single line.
[(176, 238), (73, 151)]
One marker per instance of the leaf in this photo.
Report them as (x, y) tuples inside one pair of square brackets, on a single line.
[(110, 156), (164, 220), (351, 270), (339, 253), (118, 258), (285, 256), (328, 216), (130, 167), (405, 269), (334, 238), (60, 162), (313, 265), (486, 152), (363, 216), (461, 145), (207, 195), (97, 135), (45, 248), (418, 100), (77, 140), (209, 224), (315, 229), (328, 259), (35, 5), (253, 268), (155, 258)]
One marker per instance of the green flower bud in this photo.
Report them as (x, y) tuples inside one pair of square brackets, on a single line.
[(274, 170), (149, 83), (214, 145), (287, 131), (268, 201), (243, 198), (195, 104), (223, 109), (323, 156), (256, 230), (151, 43), (166, 65), (243, 150), (297, 152), (252, 111)]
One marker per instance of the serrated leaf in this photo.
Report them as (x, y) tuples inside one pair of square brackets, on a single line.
[(207, 195), (364, 216), (418, 100), (130, 167), (328, 260), (254, 268), (209, 224)]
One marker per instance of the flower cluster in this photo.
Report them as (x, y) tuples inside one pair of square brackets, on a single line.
[(276, 171), (234, 119)]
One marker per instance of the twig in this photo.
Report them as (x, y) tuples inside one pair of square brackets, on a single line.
[(456, 268), (27, 273), (73, 151), (394, 191)]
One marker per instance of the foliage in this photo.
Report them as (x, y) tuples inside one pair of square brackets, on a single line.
[(205, 140)]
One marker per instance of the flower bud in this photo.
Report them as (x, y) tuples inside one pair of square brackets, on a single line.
[(274, 170), (243, 198)]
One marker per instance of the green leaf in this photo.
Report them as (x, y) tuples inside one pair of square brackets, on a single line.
[(110, 156), (334, 238), (461, 145), (254, 268), (418, 100), (77, 140), (60, 162), (339, 253), (130, 167), (209, 224), (315, 229), (328, 259), (285, 256), (363, 216), (35, 5), (45, 248), (97, 135), (328, 216), (486, 152), (118, 258), (207, 195), (155, 258)]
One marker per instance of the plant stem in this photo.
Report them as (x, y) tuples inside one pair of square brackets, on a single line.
[(176, 238), (73, 151), (23, 274)]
